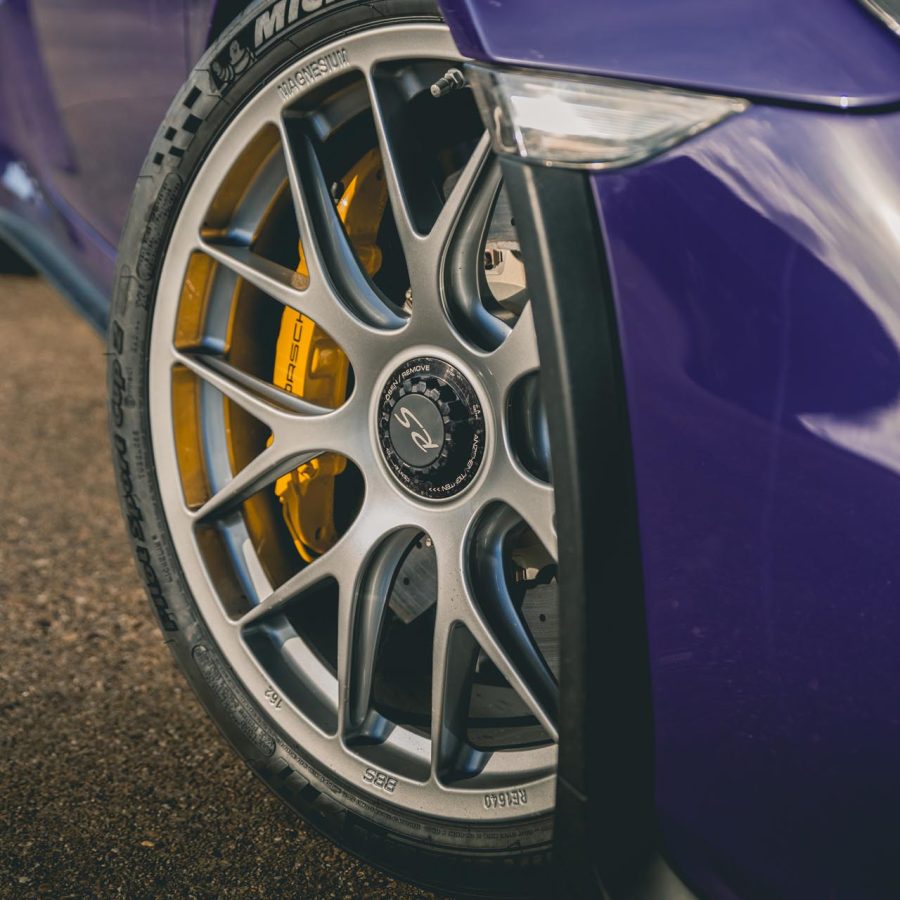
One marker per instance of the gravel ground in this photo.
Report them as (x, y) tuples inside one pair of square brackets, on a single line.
[(112, 780)]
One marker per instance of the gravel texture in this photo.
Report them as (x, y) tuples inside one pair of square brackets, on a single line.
[(112, 780)]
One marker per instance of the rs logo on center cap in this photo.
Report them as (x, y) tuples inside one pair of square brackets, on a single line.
[(416, 429), (422, 439)]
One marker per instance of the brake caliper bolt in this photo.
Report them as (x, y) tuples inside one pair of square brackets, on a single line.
[(451, 80)]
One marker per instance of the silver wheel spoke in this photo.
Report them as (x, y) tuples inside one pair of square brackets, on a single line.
[(260, 472), (305, 228), (341, 562), (455, 205), (410, 239), (465, 282), (360, 611), (451, 677), (498, 627), (454, 241), (300, 430), (517, 356), (313, 298), (331, 254), (510, 671), (296, 424), (423, 251), (256, 391), (532, 499), (294, 588), (367, 619), (453, 667), (542, 711), (454, 653), (434, 258), (240, 389)]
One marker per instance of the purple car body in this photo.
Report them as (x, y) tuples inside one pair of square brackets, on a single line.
[(755, 272)]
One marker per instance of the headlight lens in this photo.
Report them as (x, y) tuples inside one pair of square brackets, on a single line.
[(589, 123), (886, 10)]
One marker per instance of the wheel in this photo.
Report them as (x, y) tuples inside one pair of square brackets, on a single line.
[(331, 445)]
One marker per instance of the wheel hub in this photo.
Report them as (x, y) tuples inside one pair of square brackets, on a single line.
[(431, 428)]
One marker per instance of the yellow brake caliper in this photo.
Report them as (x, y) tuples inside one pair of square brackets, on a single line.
[(309, 364)]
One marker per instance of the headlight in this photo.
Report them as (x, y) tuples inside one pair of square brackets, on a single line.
[(593, 123), (886, 10)]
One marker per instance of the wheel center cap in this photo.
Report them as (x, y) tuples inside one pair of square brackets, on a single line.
[(417, 430), (431, 428)]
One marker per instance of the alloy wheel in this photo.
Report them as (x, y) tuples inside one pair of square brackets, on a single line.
[(349, 436)]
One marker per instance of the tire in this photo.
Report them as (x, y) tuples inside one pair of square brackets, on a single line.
[(478, 858), (13, 264)]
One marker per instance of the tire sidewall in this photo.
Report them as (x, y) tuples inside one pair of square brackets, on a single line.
[(417, 848)]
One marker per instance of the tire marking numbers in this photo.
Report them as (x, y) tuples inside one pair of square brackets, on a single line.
[(274, 697), (506, 799)]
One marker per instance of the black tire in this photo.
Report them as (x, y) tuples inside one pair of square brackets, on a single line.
[(478, 859), (13, 264)]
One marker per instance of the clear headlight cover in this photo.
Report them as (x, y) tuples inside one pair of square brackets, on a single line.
[(594, 123), (886, 10)]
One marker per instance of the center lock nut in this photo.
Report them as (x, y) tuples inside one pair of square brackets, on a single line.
[(431, 428)]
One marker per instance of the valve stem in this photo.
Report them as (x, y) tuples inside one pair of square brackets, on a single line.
[(451, 80)]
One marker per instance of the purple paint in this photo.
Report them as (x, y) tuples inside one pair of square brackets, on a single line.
[(755, 274), (811, 51)]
